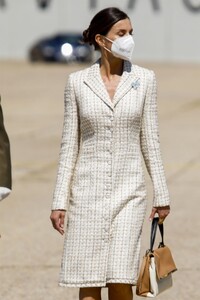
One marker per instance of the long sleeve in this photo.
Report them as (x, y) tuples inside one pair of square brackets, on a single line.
[(69, 149), (150, 145)]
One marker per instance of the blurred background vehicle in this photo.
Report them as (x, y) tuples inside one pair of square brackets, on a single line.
[(63, 47)]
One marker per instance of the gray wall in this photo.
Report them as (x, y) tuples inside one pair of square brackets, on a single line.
[(164, 30)]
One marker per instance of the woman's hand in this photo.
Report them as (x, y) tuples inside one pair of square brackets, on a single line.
[(162, 212), (57, 218)]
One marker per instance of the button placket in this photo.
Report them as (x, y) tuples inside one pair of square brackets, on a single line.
[(108, 177)]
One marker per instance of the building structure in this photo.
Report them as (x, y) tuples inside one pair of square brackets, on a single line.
[(163, 30)]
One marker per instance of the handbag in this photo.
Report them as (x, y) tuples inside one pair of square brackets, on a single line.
[(157, 266)]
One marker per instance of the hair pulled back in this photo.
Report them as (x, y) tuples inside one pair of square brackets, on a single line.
[(102, 23)]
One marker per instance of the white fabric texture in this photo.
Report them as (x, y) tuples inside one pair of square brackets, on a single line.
[(100, 179), (4, 192), (157, 285)]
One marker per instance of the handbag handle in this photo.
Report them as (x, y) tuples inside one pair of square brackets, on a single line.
[(154, 226)]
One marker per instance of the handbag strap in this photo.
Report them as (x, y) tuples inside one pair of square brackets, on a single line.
[(154, 226)]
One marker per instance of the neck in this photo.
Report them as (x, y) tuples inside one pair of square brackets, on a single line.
[(111, 66)]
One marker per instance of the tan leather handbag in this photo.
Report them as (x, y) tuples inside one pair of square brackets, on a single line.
[(155, 275)]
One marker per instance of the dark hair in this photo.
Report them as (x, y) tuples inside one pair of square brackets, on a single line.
[(102, 23)]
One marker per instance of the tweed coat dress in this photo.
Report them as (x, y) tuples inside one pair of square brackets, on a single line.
[(100, 179)]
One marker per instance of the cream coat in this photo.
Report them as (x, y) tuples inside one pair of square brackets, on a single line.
[(100, 179)]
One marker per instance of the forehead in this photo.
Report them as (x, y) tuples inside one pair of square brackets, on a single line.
[(122, 25)]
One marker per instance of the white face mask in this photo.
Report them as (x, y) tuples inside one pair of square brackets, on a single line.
[(122, 47)]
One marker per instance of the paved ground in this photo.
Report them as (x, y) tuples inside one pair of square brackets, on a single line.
[(30, 250)]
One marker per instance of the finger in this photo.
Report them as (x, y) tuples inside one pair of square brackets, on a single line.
[(62, 220), (163, 213), (56, 224), (61, 230), (162, 216), (55, 219), (153, 212), (58, 227), (61, 223)]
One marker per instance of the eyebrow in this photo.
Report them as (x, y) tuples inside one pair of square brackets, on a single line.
[(124, 30)]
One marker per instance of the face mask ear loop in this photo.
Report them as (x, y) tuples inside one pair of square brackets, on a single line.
[(109, 41), (107, 38), (107, 49)]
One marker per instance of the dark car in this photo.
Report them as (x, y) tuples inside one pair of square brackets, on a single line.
[(61, 48)]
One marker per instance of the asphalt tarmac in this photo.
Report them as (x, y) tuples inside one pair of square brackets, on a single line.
[(30, 250)]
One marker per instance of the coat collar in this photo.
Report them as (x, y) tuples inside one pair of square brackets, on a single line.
[(96, 84)]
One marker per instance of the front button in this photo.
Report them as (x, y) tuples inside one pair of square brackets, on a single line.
[(108, 186)]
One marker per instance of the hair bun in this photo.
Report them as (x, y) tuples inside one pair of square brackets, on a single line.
[(110, 16), (86, 38)]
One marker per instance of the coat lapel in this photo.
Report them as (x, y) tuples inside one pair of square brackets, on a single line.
[(95, 83), (128, 79)]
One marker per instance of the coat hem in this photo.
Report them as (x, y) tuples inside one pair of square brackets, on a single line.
[(97, 283)]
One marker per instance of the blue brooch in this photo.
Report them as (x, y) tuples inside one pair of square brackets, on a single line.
[(136, 84)]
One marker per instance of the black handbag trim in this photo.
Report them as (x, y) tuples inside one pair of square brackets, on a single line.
[(154, 226)]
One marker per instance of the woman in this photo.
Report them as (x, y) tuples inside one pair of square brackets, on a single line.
[(110, 118)]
